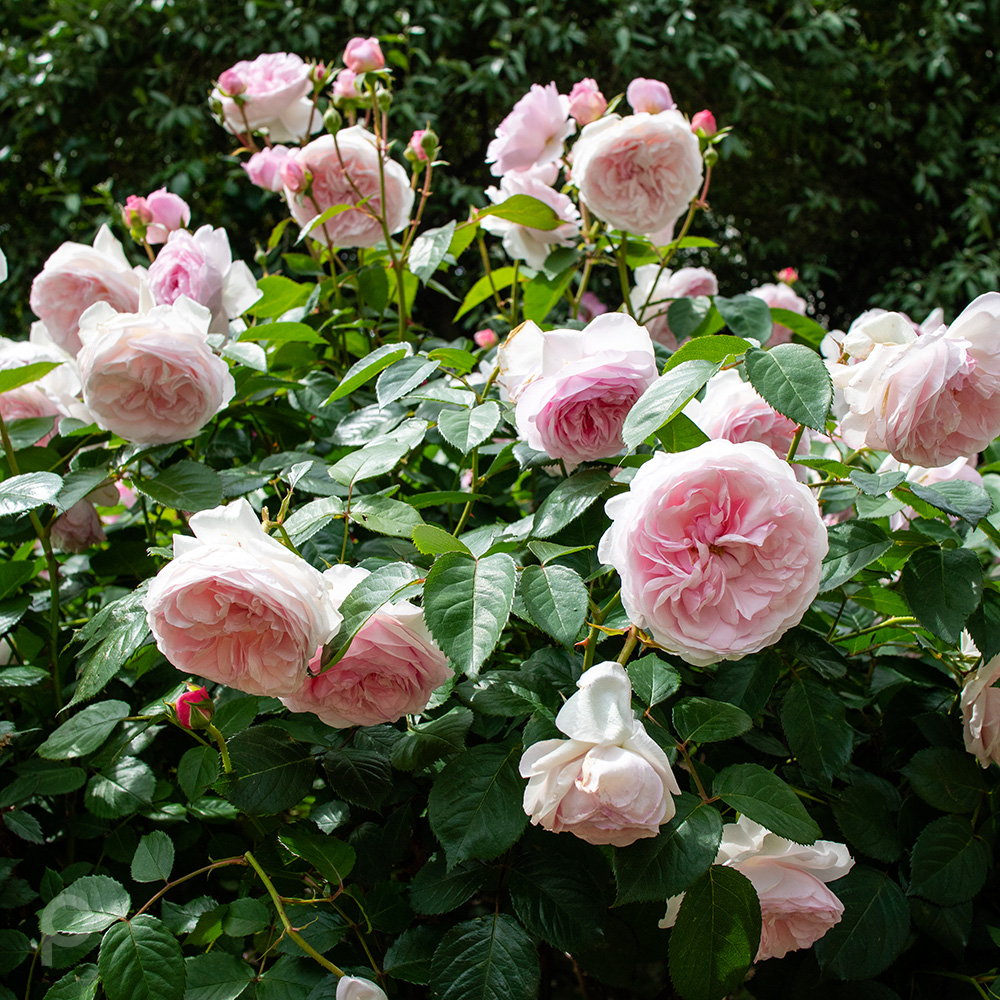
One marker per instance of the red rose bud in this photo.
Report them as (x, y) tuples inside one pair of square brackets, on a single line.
[(194, 709), (704, 122), (787, 275)]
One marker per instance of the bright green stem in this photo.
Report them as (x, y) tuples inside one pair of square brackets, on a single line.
[(795, 442), (220, 740), (184, 878), (888, 623), (623, 275), (631, 641), (475, 487)]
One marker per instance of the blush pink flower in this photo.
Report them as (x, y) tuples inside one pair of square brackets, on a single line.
[(344, 86), (533, 133), (656, 288), (981, 713), (704, 122), (264, 168), (718, 549), (485, 339), (168, 212), (363, 55), (649, 96), (638, 173), (586, 102), (609, 783), (237, 607), (590, 307), (779, 296)]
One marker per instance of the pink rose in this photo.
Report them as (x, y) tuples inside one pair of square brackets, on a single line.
[(293, 177), (75, 277), (649, 96), (168, 212), (779, 296), (522, 242), (363, 55), (718, 549), (927, 399), (981, 713), (573, 389), (656, 288), (590, 307), (237, 607), (586, 102), (273, 98), (344, 88), (194, 708), (609, 783), (485, 339), (704, 122), (638, 173), (136, 211), (416, 144), (78, 528), (200, 266), (344, 170), (150, 376), (787, 275), (391, 669), (533, 133), (264, 168), (353, 988)]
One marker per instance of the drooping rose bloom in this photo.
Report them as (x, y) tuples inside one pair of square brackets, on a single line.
[(150, 376), (649, 96), (264, 168), (656, 288), (272, 96), (574, 388), (609, 783), (638, 173), (981, 713), (926, 399), (533, 133), (344, 171), (718, 549), (779, 296), (237, 607), (75, 277)]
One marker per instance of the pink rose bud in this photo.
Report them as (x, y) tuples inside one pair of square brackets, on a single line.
[(417, 145), (319, 74), (168, 212), (787, 275), (363, 54), (344, 88), (136, 210), (292, 175), (194, 709), (586, 102), (264, 168), (651, 96), (231, 83), (485, 338), (704, 122), (590, 307)]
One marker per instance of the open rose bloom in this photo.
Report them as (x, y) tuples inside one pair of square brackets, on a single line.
[(533, 133), (609, 783), (981, 713), (656, 288)]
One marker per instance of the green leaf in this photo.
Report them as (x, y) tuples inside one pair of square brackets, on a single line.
[(748, 682), (368, 462), (793, 379), (873, 929), (947, 779), (367, 368), (703, 720), (331, 857), (489, 958), (14, 949), (721, 348), (122, 788), (969, 501), (568, 501), (816, 728), (141, 960), (524, 210), (384, 515), (467, 429), (313, 517), (76, 485), (943, 587), (853, 546), (454, 359), (282, 333), (876, 484), (271, 772), (474, 807), (409, 956), (216, 976), (429, 250), (153, 858), (862, 813), (186, 485), (432, 540), (690, 317), (680, 433), (26, 492), (802, 326), (766, 799), (653, 680), (85, 732), (402, 376), (746, 316), (290, 978), (318, 221), (556, 599), (665, 398), (79, 984), (949, 862), (197, 771), (543, 292), (14, 378), (280, 295), (245, 916), (984, 624), (361, 777), (483, 289), (466, 604), (428, 742), (665, 865), (91, 903), (438, 889), (716, 936), (22, 824)]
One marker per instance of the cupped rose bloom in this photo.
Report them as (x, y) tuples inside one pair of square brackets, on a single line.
[(363, 55), (609, 783), (927, 399), (656, 288), (533, 133), (522, 242), (237, 607), (75, 277), (981, 713), (354, 988), (344, 171), (586, 102), (718, 549), (962, 469), (779, 296), (264, 168), (649, 96), (391, 668), (200, 266), (273, 96), (80, 528), (638, 173), (574, 388), (168, 213), (150, 377)]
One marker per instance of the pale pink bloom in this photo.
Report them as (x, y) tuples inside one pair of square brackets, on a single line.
[(657, 287), (522, 242), (237, 607), (586, 102), (718, 549), (293, 177), (264, 168), (638, 173), (330, 161), (200, 266), (649, 96), (609, 783), (275, 98), (485, 339), (75, 277), (78, 528), (926, 399), (231, 82), (391, 669), (574, 388), (981, 713), (168, 212), (363, 55), (353, 988), (963, 469), (150, 376), (344, 87), (533, 133), (417, 144), (136, 210), (590, 307), (704, 121), (779, 296)]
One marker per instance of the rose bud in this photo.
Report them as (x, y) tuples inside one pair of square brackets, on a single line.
[(194, 709), (363, 54), (485, 339), (704, 123), (651, 96), (231, 83), (586, 102)]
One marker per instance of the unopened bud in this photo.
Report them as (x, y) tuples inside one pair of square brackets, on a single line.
[(193, 709), (704, 123), (787, 276), (363, 55), (485, 339), (231, 83), (333, 121)]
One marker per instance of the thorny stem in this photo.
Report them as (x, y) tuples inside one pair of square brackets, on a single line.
[(795, 442), (887, 623), (185, 878), (631, 640)]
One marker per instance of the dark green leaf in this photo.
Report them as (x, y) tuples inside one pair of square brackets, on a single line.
[(154, 858), (86, 731), (703, 720), (367, 368), (568, 501), (362, 777), (469, 428), (984, 624), (216, 976), (943, 587), (428, 742), (653, 680), (122, 788), (853, 546), (91, 903), (968, 501), (748, 682), (863, 815), (185, 485), (271, 772), (947, 779), (690, 317), (746, 316), (14, 949), (141, 960), (332, 858), (402, 376), (766, 799), (80, 984), (438, 889), (792, 379), (816, 728), (949, 863), (197, 771), (26, 492), (556, 599)]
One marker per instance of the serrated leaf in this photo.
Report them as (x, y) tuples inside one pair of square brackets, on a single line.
[(947, 779), (79, 984), (943, 587), (428, 742), (368, 462), (746, 316), (271, 772), (468, 428), (361, 777), (665, 398), (429, 250), (688, 317), (402, 376), (793, 380), (568, 501), (949, 862), (331, 857), (556, 599), (984, 624), (122, 788), (853, 546), (22, 824), (766, 799), (876, 484), (722, 348), (432, 540), (653, 680), (816, 728), (704, 720), (216, 976), (438, 889), (91, 903), (197, 771), (28, 491), (186, 485), (969, 501), (153, 858), (384, 516), (524, 210), (367, 368), (141, 960), (863, 816), (85, 732)]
